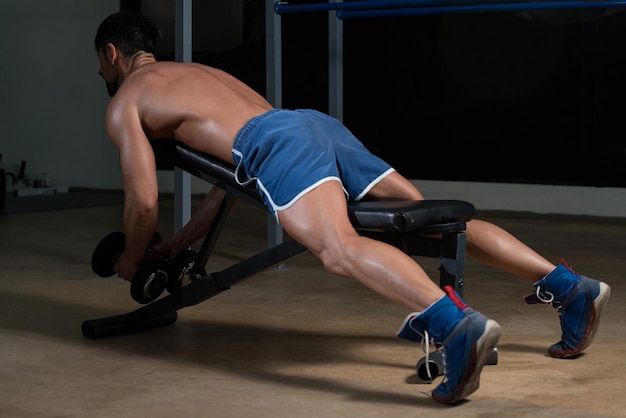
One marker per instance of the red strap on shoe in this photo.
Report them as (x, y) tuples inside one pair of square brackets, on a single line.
[(566, 265), (454, 297)]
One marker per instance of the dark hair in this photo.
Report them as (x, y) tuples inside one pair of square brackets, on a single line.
[(129, 32)]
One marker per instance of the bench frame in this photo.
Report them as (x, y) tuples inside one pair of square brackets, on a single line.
[(429, 228)]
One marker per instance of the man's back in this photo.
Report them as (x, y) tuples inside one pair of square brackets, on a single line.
[(198, 105)]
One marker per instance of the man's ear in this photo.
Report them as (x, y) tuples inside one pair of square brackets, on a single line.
[(112, 53)]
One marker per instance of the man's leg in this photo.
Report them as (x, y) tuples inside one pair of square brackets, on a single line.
[(579, 300), (319, 221), (496, 247)]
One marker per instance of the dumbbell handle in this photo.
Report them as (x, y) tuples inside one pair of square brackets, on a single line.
[(109, 250)]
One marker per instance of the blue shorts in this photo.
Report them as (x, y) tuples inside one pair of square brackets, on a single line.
[(290, 152)]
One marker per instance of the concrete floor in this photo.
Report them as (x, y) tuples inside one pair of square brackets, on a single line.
[(294, 342)]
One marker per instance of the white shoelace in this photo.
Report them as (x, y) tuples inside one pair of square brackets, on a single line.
[(426, 348), (542, 296), (426, 342)]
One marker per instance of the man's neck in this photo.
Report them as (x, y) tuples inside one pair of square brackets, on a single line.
[(139, 59)]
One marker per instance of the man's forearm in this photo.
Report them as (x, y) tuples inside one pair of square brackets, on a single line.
[(139, 228), (197, 227)]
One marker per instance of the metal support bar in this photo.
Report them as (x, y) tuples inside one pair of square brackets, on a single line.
[(163, 311), (214, 232), (335, 67), (479, 8), (452, 261), (183, 53), (283, 7), (376, 8), (274, 91)]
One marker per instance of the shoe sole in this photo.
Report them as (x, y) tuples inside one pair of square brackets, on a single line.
[(599, 304), (483, 349)]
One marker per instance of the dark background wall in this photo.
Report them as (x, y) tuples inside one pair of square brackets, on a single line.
[(476, 97), (491, 97)]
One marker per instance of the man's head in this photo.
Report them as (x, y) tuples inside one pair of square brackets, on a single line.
[(129, 32), (122, 33)]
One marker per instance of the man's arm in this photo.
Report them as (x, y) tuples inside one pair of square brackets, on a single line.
[(197, 227), (138, 167)]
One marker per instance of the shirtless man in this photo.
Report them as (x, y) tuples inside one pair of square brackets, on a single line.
[(305, 165)]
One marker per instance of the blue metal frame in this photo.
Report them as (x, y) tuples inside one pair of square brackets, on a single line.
[(387, 8)]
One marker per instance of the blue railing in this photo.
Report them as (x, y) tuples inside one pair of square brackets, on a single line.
[(385, 8)]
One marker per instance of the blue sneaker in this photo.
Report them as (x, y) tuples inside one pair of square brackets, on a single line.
[(579, 301), (467, 339)]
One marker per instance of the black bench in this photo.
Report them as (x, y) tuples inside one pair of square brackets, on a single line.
[(429, 228)]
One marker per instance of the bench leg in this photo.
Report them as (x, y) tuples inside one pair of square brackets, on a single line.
[(452, 261)]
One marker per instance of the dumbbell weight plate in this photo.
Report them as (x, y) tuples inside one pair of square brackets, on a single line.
[(150, 281), (179, 269), (427, 372), (107, 252)]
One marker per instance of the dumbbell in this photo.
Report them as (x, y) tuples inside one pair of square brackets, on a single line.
[(107, 252), (151, 277), (427, 372), (182, 268), (150, 280)]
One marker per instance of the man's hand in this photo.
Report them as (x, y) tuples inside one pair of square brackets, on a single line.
[(166, 249), (125, 268)]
